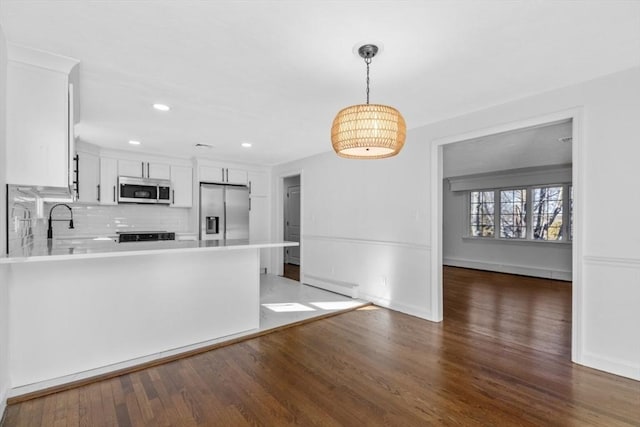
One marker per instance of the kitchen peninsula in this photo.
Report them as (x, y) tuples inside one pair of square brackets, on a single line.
[(83, 310)]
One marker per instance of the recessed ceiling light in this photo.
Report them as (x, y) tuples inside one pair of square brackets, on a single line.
[(246, 144), (132, 142), (161, 107)]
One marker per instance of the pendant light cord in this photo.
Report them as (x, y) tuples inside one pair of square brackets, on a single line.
[(367, 61)]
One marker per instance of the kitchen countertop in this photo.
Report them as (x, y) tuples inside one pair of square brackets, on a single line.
[(67, 249)]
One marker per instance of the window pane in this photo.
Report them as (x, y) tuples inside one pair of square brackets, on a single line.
[(513, 214), (481, 219), (546, 216)]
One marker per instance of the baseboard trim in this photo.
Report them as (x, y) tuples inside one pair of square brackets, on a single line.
[(337, 286), (403, 308), (605, 364), (18, 398), (3, 406), (510, 269)]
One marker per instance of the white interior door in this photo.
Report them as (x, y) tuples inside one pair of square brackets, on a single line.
[(292, 224)]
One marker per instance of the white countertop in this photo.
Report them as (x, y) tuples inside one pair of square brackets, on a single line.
[(68, 249)]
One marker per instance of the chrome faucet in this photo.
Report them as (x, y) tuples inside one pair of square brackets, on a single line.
[(50, 229)]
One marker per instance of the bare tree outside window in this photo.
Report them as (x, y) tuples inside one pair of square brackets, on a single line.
[(546, 215), (482, 213), (513, 214)]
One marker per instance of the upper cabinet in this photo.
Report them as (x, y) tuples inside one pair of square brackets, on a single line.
[(259, 184), (88, 185), (181, 186), (222, 175), (142, 169), (41, 106), (108, 181)]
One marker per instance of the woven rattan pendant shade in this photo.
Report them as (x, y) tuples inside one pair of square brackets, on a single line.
[(370, 131)]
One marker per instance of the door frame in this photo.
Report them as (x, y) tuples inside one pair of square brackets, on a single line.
[(576, 115), (278, 260), (287, 218)]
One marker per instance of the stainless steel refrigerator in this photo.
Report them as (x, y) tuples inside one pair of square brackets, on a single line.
[(224, 212)]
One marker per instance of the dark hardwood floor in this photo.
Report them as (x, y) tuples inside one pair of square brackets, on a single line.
[(500, 358), (291, 271)]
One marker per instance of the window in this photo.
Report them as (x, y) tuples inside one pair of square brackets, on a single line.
[(538, 213), (547, 213), (482, 213), (513, 214)]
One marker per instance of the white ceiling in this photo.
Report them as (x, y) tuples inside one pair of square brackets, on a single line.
[(523, 148), (275, 73)]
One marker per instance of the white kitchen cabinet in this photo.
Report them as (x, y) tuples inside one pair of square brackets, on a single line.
[(142, 169), (158, 170), (211, 174), (237, 176), (40, 141), (88, 178), (181, 186), (259, 184), (108, 181), (223, 175), (130, 168)]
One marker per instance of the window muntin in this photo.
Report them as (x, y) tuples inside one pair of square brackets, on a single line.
[(546, 213), (481, 214), (513, 214), (532, 213)]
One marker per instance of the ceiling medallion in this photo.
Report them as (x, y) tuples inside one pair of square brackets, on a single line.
[(368, 131)]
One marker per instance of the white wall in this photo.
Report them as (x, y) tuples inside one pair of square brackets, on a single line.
[(4, 296), (366, 221), (363, 227)]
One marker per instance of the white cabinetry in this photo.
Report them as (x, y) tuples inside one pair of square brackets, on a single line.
[(259, 184), (181, 186), (108, 181), (88, 177), (141, 169), (40, 141), (158, 170), (237, 176), (223, 175)]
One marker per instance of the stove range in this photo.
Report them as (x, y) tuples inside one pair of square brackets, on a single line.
[(144, 236)]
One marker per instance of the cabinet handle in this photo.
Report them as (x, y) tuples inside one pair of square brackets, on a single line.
[(142, 164), (227, 174), (173, 197), (148, 171), (249, 187), (98, 190), (249, 204), (222, 170), (114, 194)]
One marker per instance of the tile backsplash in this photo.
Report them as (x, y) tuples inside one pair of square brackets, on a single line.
[(27, 217)]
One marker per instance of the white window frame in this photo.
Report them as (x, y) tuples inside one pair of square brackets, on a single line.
[(497, 212)]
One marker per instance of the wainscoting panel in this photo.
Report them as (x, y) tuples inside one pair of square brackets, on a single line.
[(395, 275), (611, 315)]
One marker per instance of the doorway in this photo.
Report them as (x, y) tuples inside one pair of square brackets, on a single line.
[(291, 226), (574, 116)]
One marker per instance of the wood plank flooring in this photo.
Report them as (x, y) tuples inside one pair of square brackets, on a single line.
[(291, 271), (501, 357)]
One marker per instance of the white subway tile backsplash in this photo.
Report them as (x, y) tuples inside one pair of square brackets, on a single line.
[(89, 220)]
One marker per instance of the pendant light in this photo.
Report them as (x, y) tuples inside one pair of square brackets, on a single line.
[(368, 131)]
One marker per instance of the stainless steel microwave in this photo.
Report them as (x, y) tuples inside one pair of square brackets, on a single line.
[(143, 190)]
